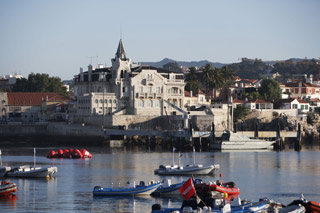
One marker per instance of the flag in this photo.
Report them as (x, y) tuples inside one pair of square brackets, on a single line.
[(174, 149), (187, 190)]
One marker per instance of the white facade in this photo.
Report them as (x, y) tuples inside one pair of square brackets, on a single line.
[(126, 88)]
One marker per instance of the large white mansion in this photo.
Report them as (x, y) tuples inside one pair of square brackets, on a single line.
[(128, 88)]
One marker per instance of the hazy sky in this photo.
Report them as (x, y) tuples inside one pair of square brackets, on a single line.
[(58, 37)]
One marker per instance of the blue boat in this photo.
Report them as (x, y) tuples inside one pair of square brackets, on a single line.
[(168, 189), (132, 189)]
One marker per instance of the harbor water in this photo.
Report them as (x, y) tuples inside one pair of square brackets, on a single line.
[(281, 176)]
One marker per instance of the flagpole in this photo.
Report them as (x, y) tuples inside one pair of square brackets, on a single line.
[(179, 160), (194, 159), (173, 156), (0, 158), (34, 157)]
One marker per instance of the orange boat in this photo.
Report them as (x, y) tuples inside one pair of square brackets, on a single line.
[(6, 188)]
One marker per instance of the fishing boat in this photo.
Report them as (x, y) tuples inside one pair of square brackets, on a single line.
[(132, 189), (168, 189), (234, 141), (7, 188), (27, 171), (193, 169)]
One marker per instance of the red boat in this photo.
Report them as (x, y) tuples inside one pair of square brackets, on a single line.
[(6, 188), (312, 206), (229, 187)]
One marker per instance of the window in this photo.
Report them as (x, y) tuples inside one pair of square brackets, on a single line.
[(114, 101), (140, 103), (306, 107), (302, 107), (101, 101), (149, 89), (294, 106), (149, 76), (158, 90), (140, 89), (174, 90), (157, 103), (149, 103), (96, 100), (110, 101)]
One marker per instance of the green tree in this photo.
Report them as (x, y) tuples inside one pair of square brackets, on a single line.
[(270, 90), (193, 86), (39, 83), (240, 112)]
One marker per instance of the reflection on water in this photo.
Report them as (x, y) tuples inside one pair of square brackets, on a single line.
[(281, 176)]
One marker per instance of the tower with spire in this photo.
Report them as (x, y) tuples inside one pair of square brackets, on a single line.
[(120, 64)]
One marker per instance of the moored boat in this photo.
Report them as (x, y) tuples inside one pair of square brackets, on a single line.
[(234, 141), (7, 188), (132, 189), (193, 169), (168, 189), (27, 171)]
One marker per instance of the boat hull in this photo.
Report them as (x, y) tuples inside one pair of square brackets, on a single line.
[(7, 188), (242, 145), (32, 172), (205, 170), (139, 190), (172, 190)]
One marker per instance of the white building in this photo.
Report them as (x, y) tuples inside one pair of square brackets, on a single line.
[(128, 88)]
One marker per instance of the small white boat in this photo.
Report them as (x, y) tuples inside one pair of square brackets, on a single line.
[(193, 169), (234, 141), (132, 189), (27, 171)]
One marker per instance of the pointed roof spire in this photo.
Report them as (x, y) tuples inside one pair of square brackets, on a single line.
[(120, 52)]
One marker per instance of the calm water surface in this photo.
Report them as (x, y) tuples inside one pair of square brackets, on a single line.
[(281, 176)]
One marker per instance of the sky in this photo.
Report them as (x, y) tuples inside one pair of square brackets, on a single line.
[(58, 37)]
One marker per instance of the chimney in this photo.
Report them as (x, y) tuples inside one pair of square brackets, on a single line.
[(81, 74), (89, 72)]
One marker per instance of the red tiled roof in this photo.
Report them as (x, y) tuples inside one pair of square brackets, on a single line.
[(33, 98), (302, 101), (296, 84), (238, 101), (259, 101)]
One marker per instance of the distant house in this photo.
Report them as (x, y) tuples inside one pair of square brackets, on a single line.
[(31, 106), (300, 90), (259, 104), (289, 103), (294, 103)]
